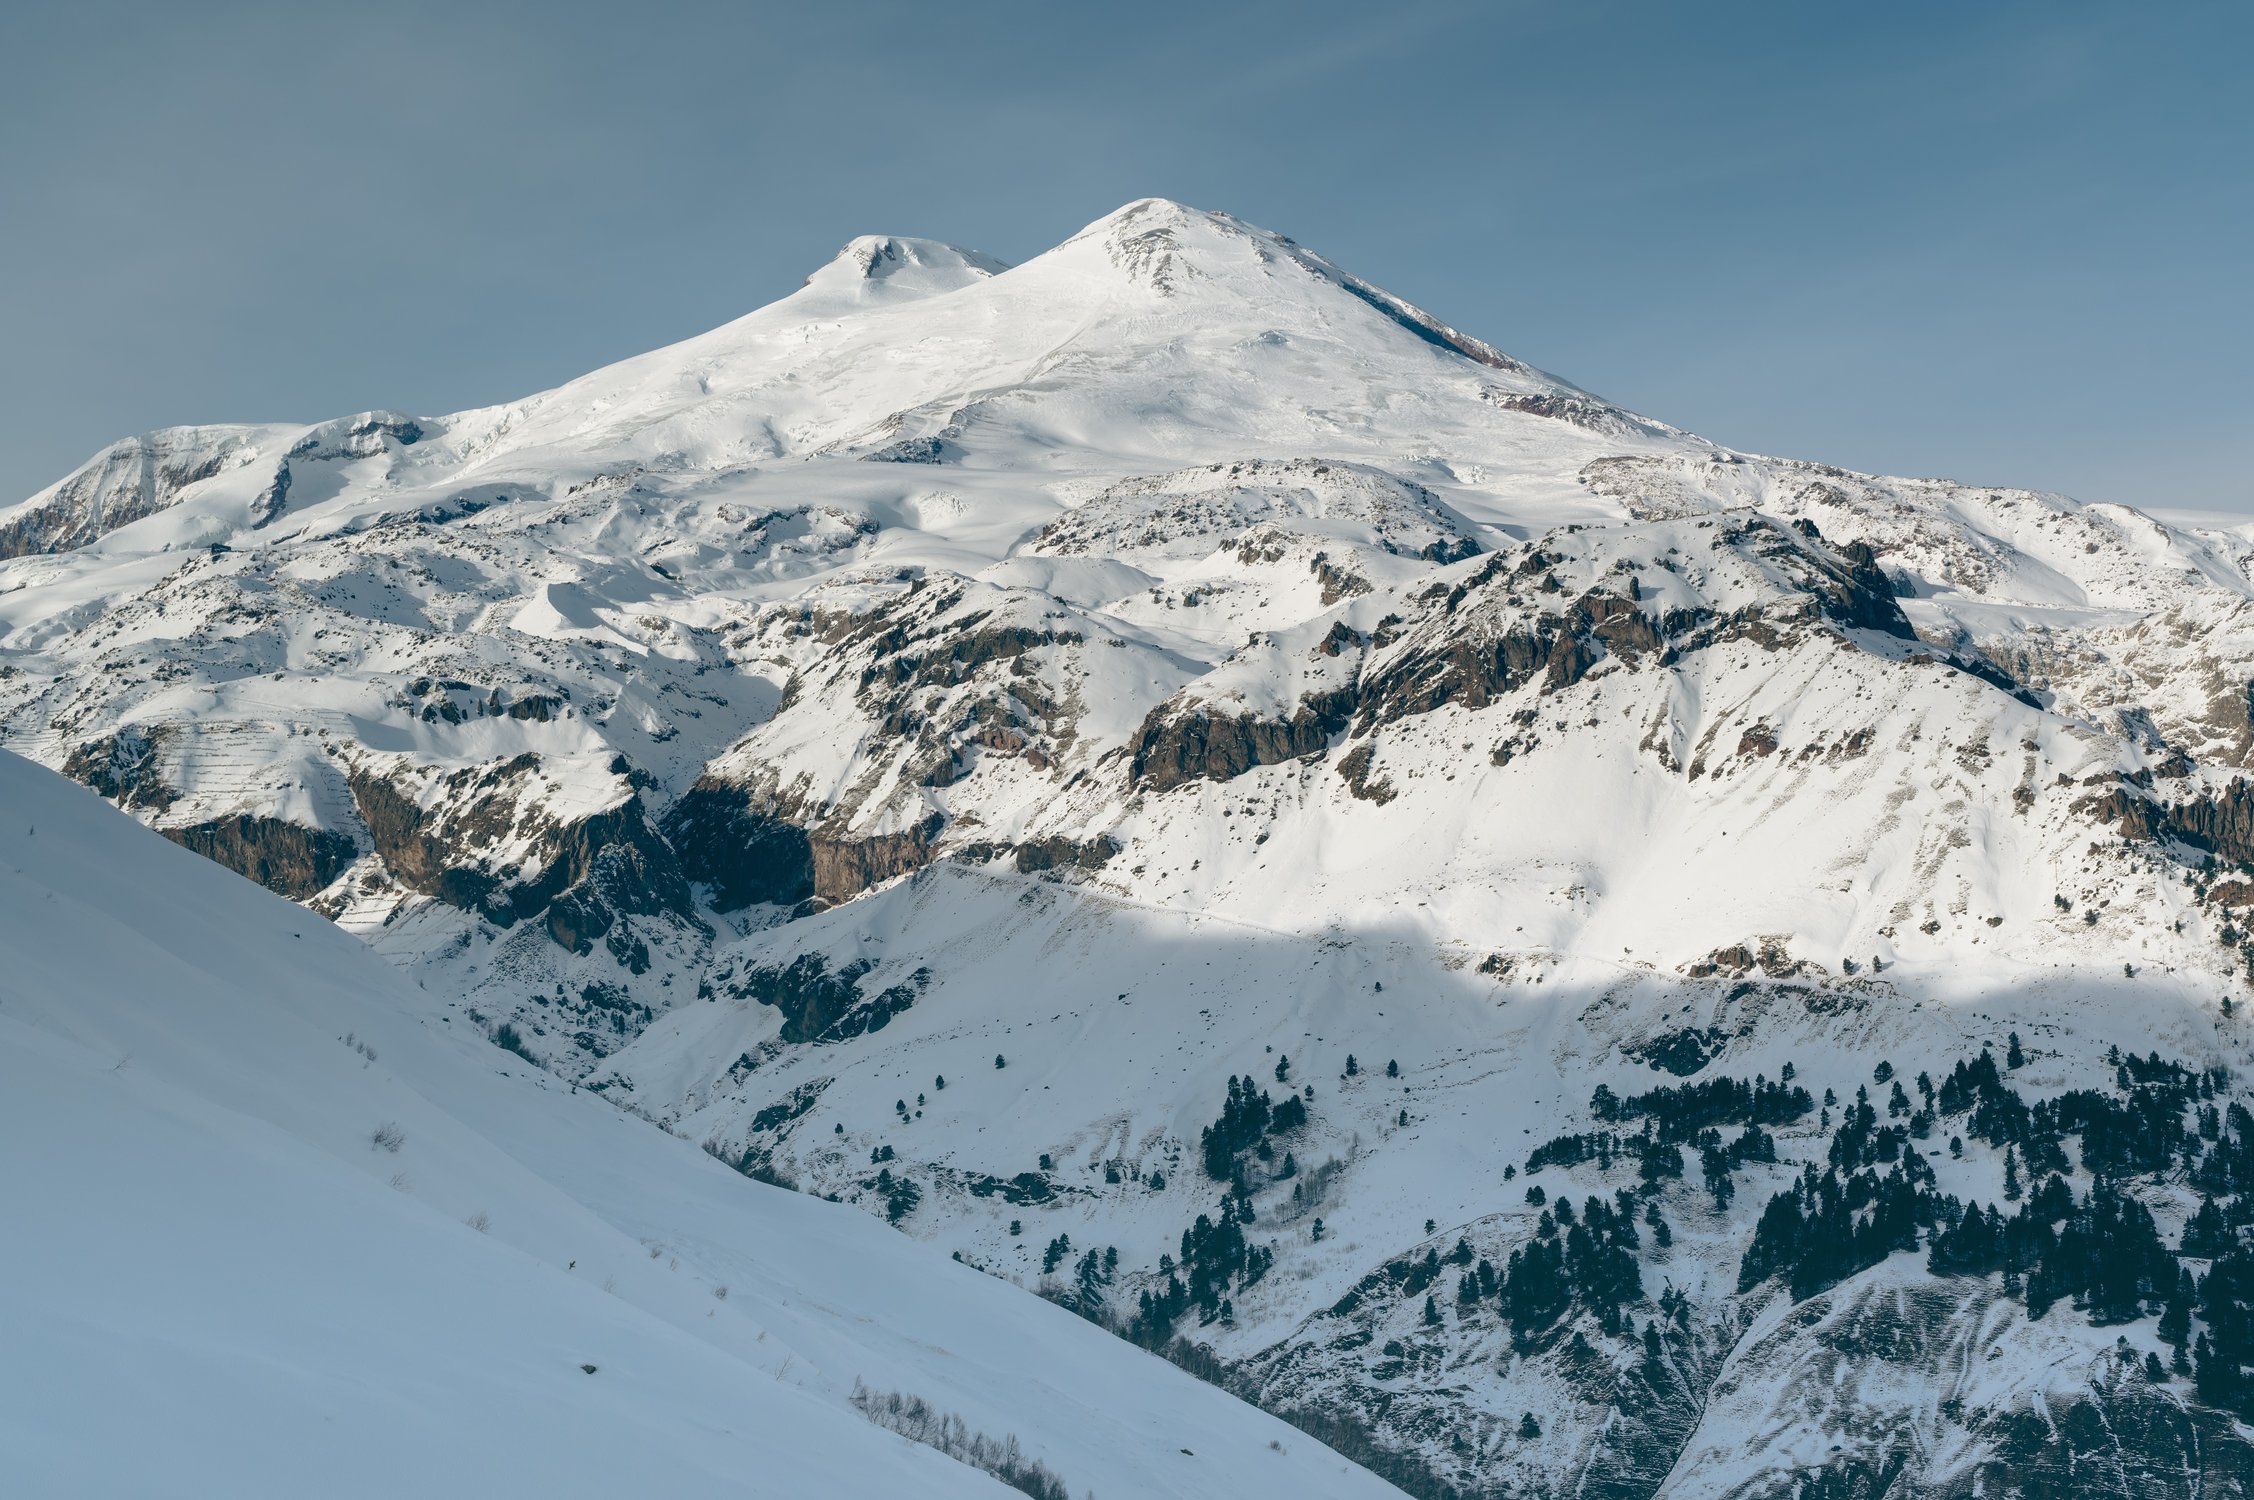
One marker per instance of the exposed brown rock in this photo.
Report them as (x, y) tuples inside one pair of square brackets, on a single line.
[(287, 858), (1355, 767), (844, 868), (123, 768), (1175, 745), (608, 863), (1057, 852), (2232, 894), (2221, 823)]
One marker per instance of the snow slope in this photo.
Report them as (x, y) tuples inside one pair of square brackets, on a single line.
[(217, 1284)]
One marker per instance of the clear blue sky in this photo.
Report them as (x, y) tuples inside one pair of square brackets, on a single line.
[(2004, 242)]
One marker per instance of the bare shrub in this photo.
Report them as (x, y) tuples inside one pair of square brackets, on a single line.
[(918, 1421), (387, 1137)]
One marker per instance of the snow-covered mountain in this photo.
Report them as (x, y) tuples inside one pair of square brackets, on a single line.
[(1175, 661)]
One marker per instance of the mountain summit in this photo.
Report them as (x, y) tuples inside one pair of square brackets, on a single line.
[(890, 266), (1557, 955)]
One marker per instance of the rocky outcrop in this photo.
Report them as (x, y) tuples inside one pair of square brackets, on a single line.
[(819, 1004), (612, 859), (1474, 673), (586, 873), (364, 436), (845, 867), (742, 854), (915, 450), (1355, 767), (1863, 596), (1176, 745), (2220, 823), (287, 858), (1596, 416), (123, 768), (1057, 852), (439, 867), (966, 650), (127, 482), (2112, 1432), (2127, 1441)]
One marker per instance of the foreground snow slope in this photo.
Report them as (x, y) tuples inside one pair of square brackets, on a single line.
[(216, 1283)]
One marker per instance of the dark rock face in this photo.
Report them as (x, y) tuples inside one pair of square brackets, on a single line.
[(1660, 1409), (1059, 853), (966, 650), (287, 858), (357, 437), (1339, 583), (1622, 624), (592, 871), (1175, 746), (1864, 597), (416, 859), (610, 862), (1473, 669), (540, 707), (1425, 327), (1024, 1188), (575, 921), (819, 1004), (272, 500), (922, 450), (1476, 673), (1355, 767), (363, 436), (1681, 1053), (743, 855), (844, 868), (1975, 665), (791, 1107), (1848, 585), (2222, 823), (122, 768)]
